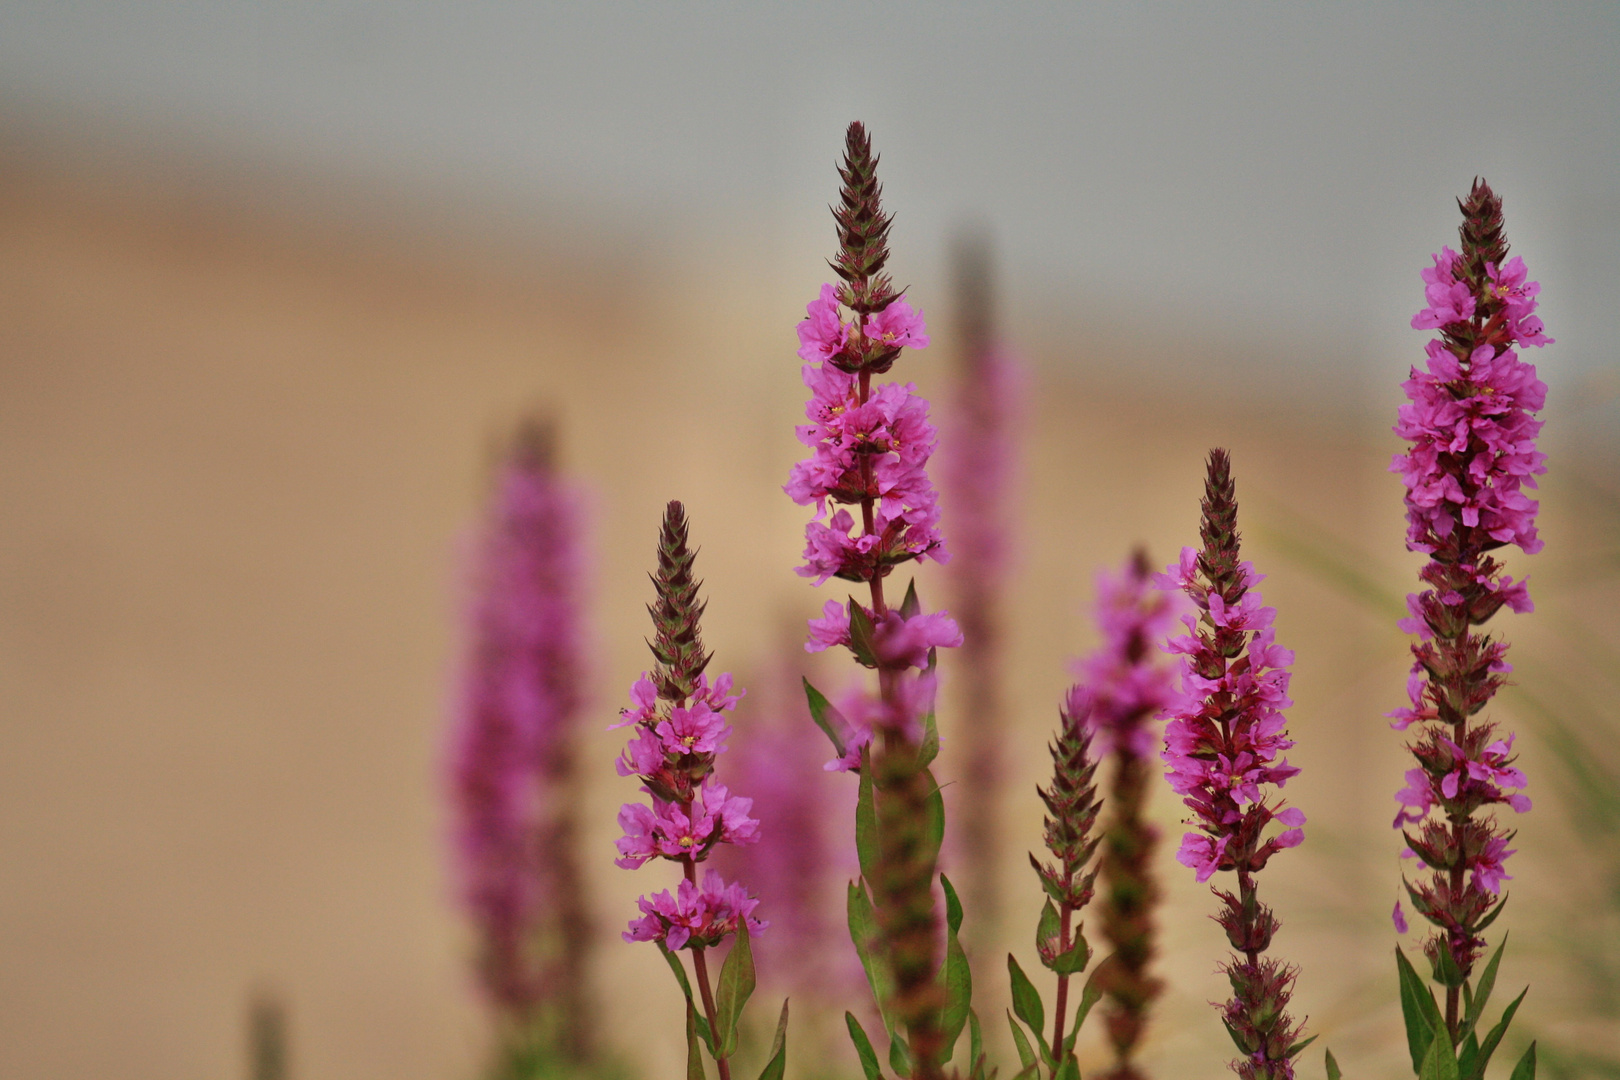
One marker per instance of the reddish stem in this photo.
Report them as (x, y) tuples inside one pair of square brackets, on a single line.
[(700, 968), (1064, 944)]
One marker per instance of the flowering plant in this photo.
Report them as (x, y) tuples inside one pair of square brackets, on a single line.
[(1221, 688)]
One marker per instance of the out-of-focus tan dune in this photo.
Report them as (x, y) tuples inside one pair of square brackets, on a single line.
[(236, 457)]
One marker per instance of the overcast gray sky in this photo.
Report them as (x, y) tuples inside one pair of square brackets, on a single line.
[(1280, 169)]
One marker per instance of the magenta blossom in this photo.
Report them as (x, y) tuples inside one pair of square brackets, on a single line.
[(868, 443), (1223, 744), (1122, 683), (700, 917)]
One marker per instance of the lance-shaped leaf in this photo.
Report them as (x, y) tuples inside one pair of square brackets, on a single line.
[(1446, 971), (975, 1045), (694, 1056), (1487, 1045), (1069, 1070), (863, 1048), (1332, 1067), (1478, 997), (1491, 916), (862, 637), (928, 749), (910, 607), (686, 988), (736, 985), (1419, 1009), (863, 932), (1026, 1056), (935, 804), (1526, 1068), (956, 975), (827, 717), (866, 831), (899, 1056), (1438, 1062), (776, 1064), (1299, 1047), (1027, 1005)]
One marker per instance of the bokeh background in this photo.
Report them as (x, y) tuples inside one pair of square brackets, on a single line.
[(276, 276)]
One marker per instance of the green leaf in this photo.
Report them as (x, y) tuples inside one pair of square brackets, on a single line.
[(1488, 1045), (866, 834), (953, 906), (936, 820), (1332, 1067), (736, 986), (1047, 929), (776, 1065), (863, 1048), (1468, 1054), (1526, 1068), (910, 606), (1491, 917), (1419, 1009), (1026, 999), (956, 975), (1026, 1055), (899, 1056), (1028, 1072), (1069, 1070), (1300, 1046), (676, 966), (863, 932), (694, 1056), (1446, 971), (1075, 960), (928, 750), (826, 716), (861, 638), (1487, 983), (975, 1043), (1438, 1064), (686, 988)]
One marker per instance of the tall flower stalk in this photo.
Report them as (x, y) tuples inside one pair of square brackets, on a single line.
[(978, 468), (1124, 686), (870, 444), (678, 722), (1071, 809), (513, 760), (1470, 422), (1222, 744)]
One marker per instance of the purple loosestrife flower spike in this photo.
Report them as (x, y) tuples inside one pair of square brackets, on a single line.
[(1071, 808), (1470, 421), (1221, 744), (513, 753), (870, 446), (1124, 686), (678, 727), (978, 460)]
